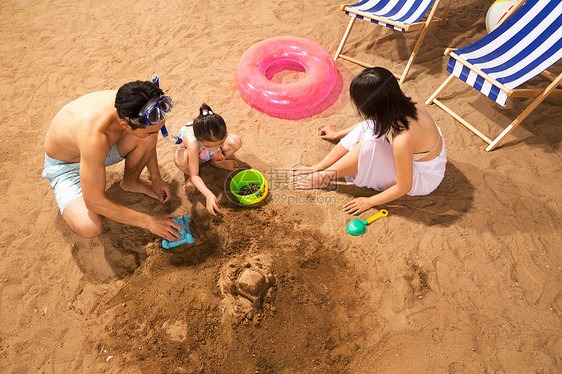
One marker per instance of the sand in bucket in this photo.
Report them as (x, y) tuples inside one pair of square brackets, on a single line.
[(249, 187)]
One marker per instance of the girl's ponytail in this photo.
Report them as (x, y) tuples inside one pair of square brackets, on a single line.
[(209, 126), (205, 110)]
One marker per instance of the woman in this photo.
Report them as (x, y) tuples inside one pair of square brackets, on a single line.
[(397, 149)]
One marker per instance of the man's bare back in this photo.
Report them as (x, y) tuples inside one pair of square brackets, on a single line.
[(91, 115)]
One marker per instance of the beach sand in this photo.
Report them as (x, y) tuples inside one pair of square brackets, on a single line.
[(464, 280)]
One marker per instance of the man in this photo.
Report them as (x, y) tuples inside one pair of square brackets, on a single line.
[(100, 129)]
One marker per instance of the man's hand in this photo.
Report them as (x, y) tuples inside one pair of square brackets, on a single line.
[(162, 190), (164, 227), (212, 204), (328, 133)]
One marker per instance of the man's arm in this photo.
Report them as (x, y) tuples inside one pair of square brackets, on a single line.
[(92, 176)]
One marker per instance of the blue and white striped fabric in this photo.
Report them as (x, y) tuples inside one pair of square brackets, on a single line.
[(404, 11), (520, 48)]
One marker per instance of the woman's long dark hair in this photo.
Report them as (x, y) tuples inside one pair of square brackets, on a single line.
[(378, 97), (208, 126)]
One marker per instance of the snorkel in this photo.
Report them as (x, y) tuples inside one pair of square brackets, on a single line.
[(170, 139)]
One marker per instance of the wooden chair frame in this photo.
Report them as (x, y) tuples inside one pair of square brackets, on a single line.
[(540, 95), (423, 25)]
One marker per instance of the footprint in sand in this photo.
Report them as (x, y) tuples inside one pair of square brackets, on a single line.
[(532, 287)]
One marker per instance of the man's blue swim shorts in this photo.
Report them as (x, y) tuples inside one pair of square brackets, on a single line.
[(65, 177)]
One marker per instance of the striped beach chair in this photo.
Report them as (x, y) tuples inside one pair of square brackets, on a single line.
[(528, 42), (400, 15)]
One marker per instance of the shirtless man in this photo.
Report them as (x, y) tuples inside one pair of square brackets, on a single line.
[(100, 129)]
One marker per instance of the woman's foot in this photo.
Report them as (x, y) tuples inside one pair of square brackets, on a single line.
[(302, 170), (311, 181)]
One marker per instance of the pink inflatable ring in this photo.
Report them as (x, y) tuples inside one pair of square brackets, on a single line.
[(260, 62)]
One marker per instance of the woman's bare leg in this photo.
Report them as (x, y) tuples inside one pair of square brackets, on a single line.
[(344, 166), (332, 157)]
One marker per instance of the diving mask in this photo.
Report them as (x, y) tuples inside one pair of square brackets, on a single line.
[(154, 111)]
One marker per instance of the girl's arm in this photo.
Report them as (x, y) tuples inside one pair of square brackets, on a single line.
[(193, 167), (403, 162)]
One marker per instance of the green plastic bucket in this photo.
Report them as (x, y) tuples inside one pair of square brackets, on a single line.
[(247, 177)]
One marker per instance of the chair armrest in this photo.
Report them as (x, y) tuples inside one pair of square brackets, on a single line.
[(449, 50)]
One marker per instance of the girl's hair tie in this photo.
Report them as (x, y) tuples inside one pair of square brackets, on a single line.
[(206, 112)]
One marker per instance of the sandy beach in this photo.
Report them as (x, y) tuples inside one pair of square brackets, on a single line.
[(464, 280)]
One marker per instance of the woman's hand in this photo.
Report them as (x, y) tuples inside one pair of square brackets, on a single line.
[(212, 205), (328, 133), (358, 205)]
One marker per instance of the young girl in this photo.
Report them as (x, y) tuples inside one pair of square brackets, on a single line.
[(397, 149), (205, 139)]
